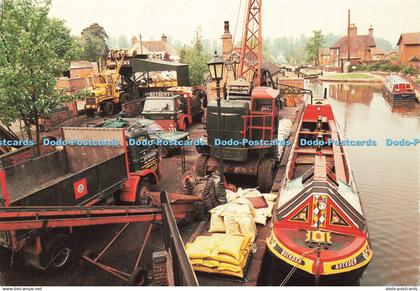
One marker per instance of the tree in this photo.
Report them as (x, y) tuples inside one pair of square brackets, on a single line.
[(94, 42), (313, 45), (34, 49), (122, 41), (196, 58)]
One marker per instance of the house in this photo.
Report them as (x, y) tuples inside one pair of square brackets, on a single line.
[(156, 49), (83, 69), (409, 48), (391, 56), (324, 57), (377, 54), (362, 48)]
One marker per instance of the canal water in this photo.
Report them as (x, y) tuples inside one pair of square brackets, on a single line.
[(388, 177)]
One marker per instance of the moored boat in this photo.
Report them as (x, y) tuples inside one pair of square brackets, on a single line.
[(319, 233), (398, 89)]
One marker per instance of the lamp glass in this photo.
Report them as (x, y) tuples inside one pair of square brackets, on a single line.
[(216, 68)]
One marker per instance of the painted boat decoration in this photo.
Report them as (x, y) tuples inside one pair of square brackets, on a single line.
[(319, 232)]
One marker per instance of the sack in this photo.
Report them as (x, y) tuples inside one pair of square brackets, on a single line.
[(261, 220), (270, 197), (231, 226), (247, 227), (216, 223), (232, 246), (251, 193)]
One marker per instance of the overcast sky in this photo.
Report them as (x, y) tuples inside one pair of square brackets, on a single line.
[(179, 19)]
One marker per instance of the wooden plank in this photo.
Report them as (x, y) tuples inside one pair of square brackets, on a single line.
[(340, 172), (314, 152)]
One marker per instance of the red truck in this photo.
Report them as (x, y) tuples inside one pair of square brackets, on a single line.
[(174, 109)]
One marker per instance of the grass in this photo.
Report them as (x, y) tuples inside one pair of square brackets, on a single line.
[(348, 76)]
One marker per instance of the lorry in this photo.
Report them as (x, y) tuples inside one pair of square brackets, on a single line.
[(167, 142), (94, 167), (175, 109), (106, 95)]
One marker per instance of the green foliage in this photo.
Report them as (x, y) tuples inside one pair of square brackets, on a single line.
[(122, 41), (196, 58), (313, 45), (388, 66), (94, 42), (33, 50)]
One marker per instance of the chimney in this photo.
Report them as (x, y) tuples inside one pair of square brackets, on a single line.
[(353, 30), (134, 40), (164, 38), (371, 31), (227, 42)]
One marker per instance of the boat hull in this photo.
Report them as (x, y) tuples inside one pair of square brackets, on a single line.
[(302, 278)]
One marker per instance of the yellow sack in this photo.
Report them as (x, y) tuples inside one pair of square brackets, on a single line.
[(246, 244), (204, 269), (270, 197), (260, 219), (247, 226), (210, 263), (270, 208), (231, 226), (216, 223), (232, 246), (244, 201)]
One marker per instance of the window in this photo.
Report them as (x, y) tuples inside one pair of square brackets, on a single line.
[(159, 105), (263, 105)]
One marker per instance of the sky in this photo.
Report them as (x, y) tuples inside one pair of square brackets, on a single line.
[(179, 19)]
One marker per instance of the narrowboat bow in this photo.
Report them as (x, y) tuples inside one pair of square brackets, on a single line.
[(319, 233)]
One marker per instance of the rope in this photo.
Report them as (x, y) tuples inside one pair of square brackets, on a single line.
[(292, 271)]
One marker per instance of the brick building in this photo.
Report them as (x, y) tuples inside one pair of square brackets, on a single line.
[(156, 49), (362, 48), (409, 48)]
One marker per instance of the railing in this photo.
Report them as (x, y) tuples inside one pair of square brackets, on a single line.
[(183, 273)]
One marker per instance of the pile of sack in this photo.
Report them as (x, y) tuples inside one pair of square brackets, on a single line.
[(233, 228), (220, 253)]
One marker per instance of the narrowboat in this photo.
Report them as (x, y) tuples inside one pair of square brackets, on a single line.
[(398, 89), (319, 233)]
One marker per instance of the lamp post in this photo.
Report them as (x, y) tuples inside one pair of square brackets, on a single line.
[(216, 66)]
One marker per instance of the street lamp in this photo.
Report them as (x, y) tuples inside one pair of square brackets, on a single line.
[(216, 66)]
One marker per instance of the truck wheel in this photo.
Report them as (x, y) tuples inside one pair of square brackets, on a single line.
[(57, 253), (201, 166), (124, 98), (265, 175), (90, 112), (109, 108), (164, 152), (141, 194)]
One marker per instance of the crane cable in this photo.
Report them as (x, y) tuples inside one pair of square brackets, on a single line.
[(237, 20)]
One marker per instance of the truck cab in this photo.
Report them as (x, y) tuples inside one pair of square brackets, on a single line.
[(173, 110)]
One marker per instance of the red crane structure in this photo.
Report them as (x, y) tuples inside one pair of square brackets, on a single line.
[(251, 51)]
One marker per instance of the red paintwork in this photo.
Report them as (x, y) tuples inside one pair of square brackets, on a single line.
[(4, 188), (312, 112), (287, 232), (167, 124), (128, 194)]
